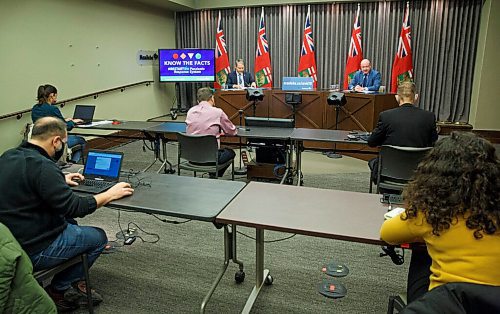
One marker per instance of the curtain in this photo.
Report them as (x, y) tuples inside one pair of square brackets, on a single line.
[(444, 41)]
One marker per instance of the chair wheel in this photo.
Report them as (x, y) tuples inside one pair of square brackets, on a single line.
[(239, 276), (269, 280)]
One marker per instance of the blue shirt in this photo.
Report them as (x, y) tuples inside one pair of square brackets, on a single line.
[(45, 110)]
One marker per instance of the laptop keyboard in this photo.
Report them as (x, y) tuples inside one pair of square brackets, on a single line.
[(96, 183)]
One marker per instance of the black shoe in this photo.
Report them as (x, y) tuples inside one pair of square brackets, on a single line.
[(78, 294), (62, 304)]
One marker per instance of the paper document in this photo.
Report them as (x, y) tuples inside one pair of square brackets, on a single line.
[(393, 213), (96, 123)]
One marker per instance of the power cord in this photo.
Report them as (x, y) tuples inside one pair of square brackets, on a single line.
[(268, 241), (145, 232), (175, 222), (145, 145), (137, 227), (135, 181)]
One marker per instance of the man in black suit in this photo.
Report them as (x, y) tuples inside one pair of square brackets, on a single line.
[(239, 78), (406, 126)]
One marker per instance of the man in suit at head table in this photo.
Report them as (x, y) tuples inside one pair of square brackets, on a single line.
[(239, 78), (366, 79)]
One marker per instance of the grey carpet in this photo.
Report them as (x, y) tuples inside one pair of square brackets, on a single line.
[(174, 274)]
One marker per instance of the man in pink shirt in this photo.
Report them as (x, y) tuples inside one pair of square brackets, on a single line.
[(206, 119)]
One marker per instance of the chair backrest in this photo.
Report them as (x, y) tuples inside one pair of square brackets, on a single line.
[(457, 297), (198, 148), (399, 163)]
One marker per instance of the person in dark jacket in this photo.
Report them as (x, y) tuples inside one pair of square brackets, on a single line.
[(407, 125), (47, 97), (239, 78), (37, 200)]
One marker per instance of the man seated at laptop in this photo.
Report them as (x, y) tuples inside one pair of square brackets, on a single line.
[(35, 202), (205, 119)]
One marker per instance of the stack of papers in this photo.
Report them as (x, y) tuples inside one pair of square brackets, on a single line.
[(95, 123), (393, 213)]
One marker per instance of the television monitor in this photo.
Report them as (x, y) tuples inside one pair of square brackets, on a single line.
[(187, 65)]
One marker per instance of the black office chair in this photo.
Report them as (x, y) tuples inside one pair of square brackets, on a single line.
[(200, 153), (43, 276), (396, 166), (396, 302), (457, 297)]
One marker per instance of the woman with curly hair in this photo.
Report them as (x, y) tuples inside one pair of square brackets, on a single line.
[(453, 206)]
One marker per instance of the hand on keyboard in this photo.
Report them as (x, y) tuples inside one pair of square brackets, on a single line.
[(73, 179)]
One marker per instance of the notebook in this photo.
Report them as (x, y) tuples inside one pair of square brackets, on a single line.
[(85, 113), (101, 171)]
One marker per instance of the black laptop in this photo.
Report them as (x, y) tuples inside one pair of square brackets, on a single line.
[(85, 113), (101, 171)]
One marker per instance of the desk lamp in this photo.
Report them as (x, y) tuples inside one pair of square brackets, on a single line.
[(336, 100), (255, 95)]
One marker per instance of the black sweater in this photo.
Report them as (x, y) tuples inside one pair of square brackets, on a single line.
[(35, 199)]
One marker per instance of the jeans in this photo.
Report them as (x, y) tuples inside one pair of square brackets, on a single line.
[(418, 274), (74, 140), (73, 241), (225, 155)]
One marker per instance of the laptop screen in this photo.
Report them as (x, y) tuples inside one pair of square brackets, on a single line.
[(103, 165), (84, 112)]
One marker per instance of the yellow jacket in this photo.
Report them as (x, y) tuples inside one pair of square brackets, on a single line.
[(456, 255)]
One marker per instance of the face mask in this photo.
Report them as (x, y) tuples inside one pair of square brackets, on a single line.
[(59, 152)]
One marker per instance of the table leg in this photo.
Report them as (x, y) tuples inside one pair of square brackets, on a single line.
[(227, 255), (260, 273), (288, 163), (298, 153), (156, 149), (233, 252), (165, 160)]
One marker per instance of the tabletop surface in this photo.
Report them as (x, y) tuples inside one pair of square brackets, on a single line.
[(168, 127), (342, 215), (178, 196), (323, 135), (125, 125), (265, 132)]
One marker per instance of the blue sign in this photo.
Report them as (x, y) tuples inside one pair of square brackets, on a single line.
[(297, 83)]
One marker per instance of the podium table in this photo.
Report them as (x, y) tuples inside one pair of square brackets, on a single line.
[(360, 113)]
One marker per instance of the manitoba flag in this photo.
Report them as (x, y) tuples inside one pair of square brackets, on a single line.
[(402, 68), (355, 53), (307, 63), (263, 76), (222, 68)]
